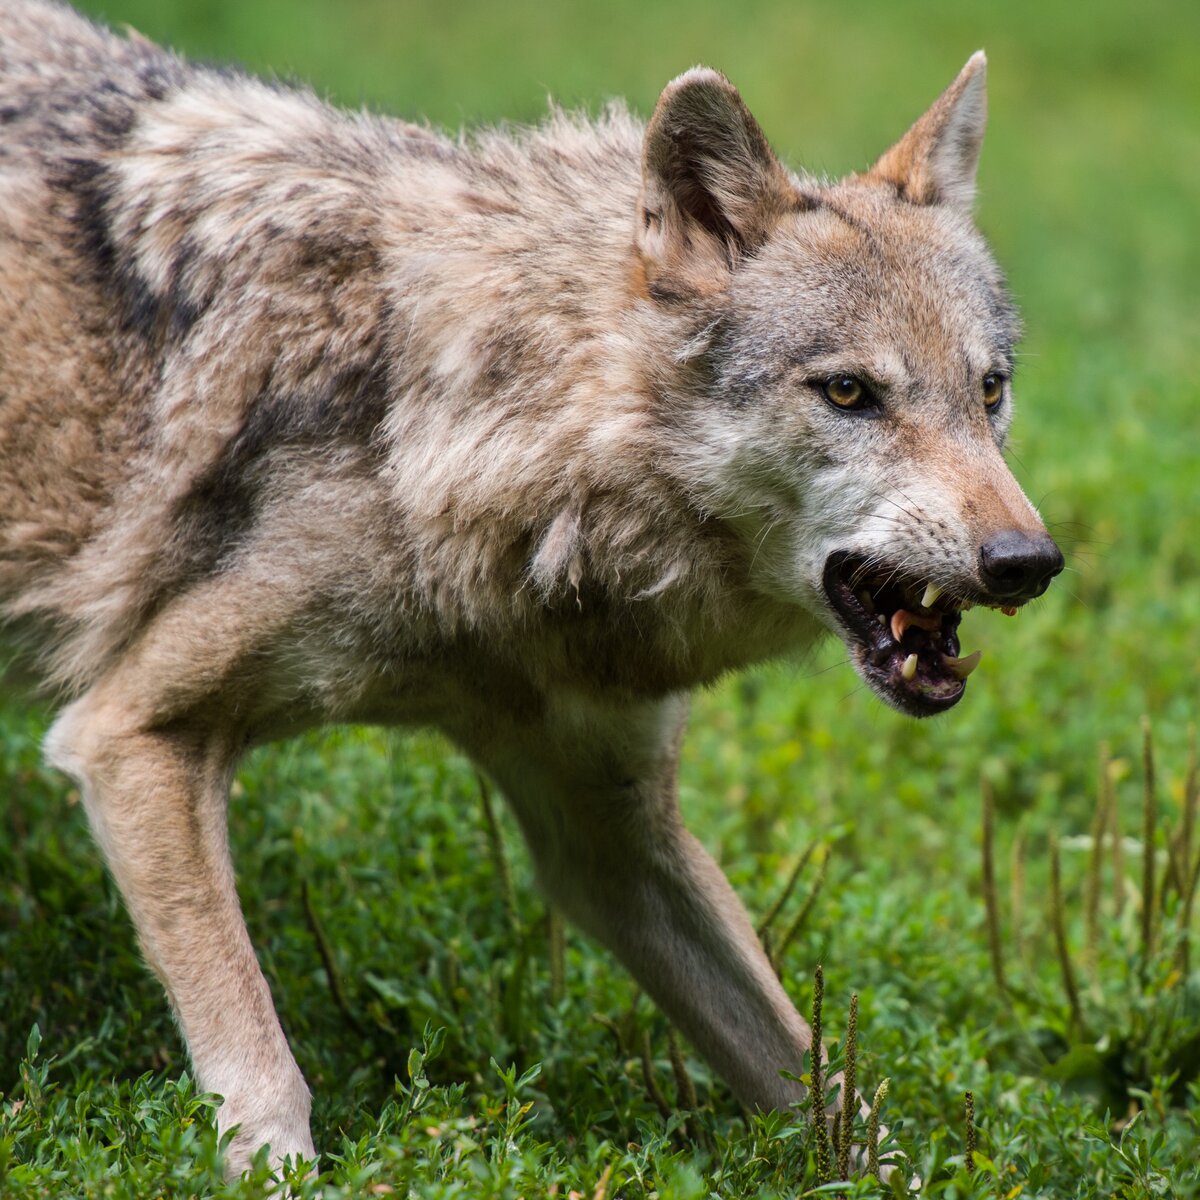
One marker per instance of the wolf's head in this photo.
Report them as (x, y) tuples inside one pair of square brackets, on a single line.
[(856, 363)]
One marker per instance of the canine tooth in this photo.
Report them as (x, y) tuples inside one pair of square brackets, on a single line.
[(932, 592), (909, 670), (865, 600), (960, 668), (1009, 610)]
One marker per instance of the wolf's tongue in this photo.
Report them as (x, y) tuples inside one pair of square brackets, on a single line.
[(902, 619)]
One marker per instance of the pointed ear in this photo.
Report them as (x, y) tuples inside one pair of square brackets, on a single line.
[(935, 161), (712, 188)]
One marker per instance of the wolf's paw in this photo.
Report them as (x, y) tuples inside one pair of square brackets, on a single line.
[(285, 1134)]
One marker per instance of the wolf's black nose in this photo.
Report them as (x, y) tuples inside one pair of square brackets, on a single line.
[(1016, 566)]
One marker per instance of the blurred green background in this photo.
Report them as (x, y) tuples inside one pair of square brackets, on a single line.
[(1090, 193)]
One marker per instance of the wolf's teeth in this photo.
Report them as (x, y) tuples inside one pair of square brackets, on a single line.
[(1009, 610), (909, 670), (960, 668), (932, 592), (865, 600)]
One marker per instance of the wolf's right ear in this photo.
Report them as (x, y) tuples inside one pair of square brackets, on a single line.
[(712, 188), (935, 161)]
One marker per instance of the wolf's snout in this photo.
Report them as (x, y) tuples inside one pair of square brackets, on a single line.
[(1016, 566)]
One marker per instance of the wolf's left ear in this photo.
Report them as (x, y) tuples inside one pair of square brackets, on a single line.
[(712, 187), (935, 161)]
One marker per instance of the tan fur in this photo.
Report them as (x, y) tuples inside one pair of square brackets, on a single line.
[(308, 416)]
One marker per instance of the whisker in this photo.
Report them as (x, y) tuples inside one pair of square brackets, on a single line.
[(761, 539), (859, 686), (900, 506), (841, 662)]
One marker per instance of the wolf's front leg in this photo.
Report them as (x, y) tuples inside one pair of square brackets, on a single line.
[(156, 801), (594, 790)]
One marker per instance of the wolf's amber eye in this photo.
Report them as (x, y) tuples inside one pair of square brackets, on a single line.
[(846, 392), (993, 389)]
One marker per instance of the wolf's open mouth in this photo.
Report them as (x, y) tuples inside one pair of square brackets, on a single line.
[(902, 633)]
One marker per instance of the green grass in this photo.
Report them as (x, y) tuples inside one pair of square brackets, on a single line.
[(1089, 189)]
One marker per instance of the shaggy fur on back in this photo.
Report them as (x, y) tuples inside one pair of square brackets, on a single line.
[(254, 297)]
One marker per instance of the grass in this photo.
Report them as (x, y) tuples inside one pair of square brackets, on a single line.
[(448, 1052)]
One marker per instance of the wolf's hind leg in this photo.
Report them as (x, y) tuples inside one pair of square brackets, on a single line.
[(157, 801)]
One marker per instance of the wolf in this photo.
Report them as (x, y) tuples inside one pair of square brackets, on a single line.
[(311, 417)]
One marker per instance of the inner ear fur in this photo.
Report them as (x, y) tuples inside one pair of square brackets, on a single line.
[(712, 188), (936, 160)]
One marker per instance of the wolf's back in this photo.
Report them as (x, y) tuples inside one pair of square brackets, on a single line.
[(220, 296), (68, 92), (50, 56)]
